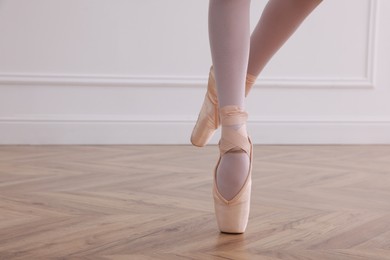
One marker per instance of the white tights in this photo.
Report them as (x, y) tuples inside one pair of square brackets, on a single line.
[(235, 53)]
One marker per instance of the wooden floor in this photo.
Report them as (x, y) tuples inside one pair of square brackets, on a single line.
[(154, 202)]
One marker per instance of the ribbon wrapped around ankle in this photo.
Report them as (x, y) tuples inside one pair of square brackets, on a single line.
[(232, 115), (234, 139)]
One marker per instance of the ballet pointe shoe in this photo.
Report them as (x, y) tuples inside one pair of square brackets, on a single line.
[(232, 215), (208, 118)]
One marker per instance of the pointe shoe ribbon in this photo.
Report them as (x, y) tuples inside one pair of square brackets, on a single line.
[(234, 140)]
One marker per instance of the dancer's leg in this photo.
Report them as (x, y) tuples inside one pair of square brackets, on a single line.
[(279, 20), (229, 34)]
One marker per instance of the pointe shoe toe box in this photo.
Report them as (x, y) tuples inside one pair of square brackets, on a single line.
[(232, 216)]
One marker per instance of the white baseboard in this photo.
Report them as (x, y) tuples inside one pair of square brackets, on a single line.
[(156, 111), (100, 131)]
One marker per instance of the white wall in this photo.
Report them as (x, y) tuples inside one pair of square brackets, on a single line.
[(124, 72)]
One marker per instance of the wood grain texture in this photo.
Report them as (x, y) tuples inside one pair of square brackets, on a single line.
[(154, 202)]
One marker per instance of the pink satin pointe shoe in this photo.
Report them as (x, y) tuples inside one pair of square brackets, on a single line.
[(208, 118), (232, 215)]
